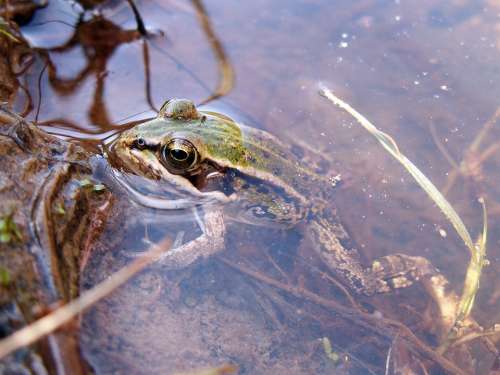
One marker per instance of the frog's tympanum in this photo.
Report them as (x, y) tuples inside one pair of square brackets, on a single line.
[(223, 170)]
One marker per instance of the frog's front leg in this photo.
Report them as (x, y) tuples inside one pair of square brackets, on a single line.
[(209, 243)]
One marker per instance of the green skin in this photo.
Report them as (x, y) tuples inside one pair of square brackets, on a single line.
[(268, 186)]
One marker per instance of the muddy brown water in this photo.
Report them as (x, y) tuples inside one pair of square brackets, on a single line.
[(426, 73)]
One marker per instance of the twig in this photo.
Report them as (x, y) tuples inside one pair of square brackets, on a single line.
[(364, 320), (49, 323), (343, 289), (441, 147), (473, 148), (495, 330), (138, 19), (226, 71)]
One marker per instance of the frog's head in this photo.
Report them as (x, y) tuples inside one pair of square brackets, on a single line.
[(182, 146), (207, 155)]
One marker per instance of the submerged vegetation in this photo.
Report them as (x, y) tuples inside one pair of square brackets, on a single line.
[(270, 290), (5, 277), (477, 250), (96, 187), (9, 231), (6, 30)]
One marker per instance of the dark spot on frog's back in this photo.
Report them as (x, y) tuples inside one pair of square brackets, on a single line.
[(263, 189), (56, 151), (322, 167), (266, 154), (249, 158), (297, 151)]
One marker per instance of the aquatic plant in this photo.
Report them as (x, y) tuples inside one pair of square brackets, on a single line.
[(5, 30), (477, 250)]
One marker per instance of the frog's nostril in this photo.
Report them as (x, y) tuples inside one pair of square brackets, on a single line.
[(141, 142)]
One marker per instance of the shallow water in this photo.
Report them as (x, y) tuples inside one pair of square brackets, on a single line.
[(426, 73)]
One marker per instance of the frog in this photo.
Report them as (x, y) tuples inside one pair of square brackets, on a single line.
[(225, 171)]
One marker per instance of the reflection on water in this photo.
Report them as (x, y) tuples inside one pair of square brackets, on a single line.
[(94, 40), (426, 73)]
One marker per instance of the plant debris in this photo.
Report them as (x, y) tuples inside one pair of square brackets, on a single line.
[(5, 277), (477, 251), (87, 183), (9, 231)]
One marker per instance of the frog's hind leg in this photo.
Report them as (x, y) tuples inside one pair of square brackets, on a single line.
[(388, 273), (397, 271), (400, 271)]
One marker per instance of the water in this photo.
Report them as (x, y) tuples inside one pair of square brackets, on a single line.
[(426, 73)]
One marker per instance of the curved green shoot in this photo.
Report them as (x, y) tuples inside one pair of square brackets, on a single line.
[(477, 251)]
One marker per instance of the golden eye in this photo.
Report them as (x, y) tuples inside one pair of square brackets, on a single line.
[(179, 156)]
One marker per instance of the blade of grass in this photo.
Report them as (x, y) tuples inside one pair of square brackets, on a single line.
[(477, 252), (471, 285), (474, 269)]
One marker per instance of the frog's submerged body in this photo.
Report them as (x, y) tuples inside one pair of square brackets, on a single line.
[(247, 175)]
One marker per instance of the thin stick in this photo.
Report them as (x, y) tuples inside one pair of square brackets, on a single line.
[(441, 147), (493, 331), (49, 323), (473, 148), (138, 19), (226, 71)]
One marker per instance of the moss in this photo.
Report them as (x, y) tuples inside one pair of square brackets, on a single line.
[(87, 183), (59, 208), (9, 231), (5, 277), (5, 30)]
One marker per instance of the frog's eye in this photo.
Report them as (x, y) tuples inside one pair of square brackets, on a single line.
[(179, 155)]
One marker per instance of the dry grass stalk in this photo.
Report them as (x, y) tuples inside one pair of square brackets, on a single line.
[(477, 251), (56, 319)]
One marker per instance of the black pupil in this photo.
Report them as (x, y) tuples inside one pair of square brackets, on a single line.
[(179, 154)]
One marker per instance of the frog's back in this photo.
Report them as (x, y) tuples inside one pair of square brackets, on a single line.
[(285, 161)]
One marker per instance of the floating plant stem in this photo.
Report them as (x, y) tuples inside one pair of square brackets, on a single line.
[(138, 18), (477, 251)]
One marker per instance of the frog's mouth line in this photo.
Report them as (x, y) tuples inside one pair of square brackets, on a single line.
[(207, 177), (210, 177)]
